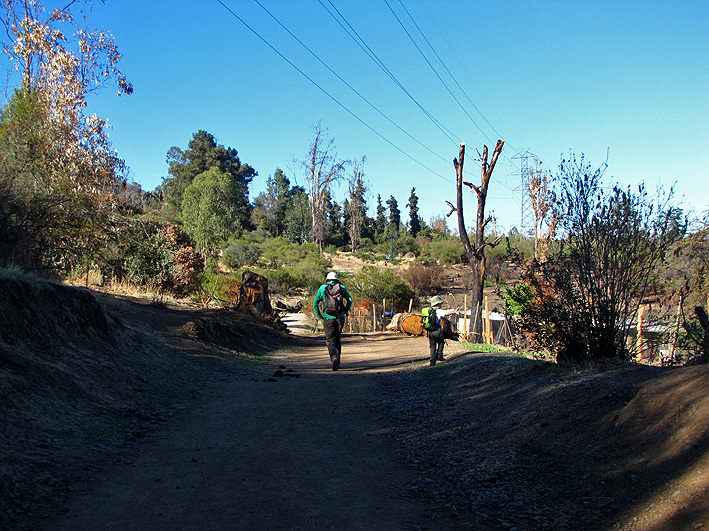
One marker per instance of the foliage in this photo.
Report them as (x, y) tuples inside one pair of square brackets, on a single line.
[(414, 219), (209, 209), (271, 207), (278, 252), (586, 294), (378, 284), (446, 250), (58, 171), (214, 286), (291, 266), (161, 257), (239, 254), (424, 280), (204, 154), (408, 244), (298, 224), (356, 209)]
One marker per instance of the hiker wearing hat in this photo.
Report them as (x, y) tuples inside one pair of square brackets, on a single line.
[(436, 340), (336, 302)]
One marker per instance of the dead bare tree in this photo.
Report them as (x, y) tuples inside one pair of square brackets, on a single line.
[(539, 189), (476, 254), (322, 169)]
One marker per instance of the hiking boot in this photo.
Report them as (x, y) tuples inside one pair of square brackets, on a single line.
[(441, 358), (335, 363)]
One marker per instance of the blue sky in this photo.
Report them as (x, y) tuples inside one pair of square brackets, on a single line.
[(625, 78)]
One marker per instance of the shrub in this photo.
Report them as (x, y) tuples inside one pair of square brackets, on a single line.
[(378, 284), (446, 251), (239, 254), (586, 294), (423, 279), (159, 256)]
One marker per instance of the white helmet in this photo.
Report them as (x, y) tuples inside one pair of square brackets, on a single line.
[(332, 276)]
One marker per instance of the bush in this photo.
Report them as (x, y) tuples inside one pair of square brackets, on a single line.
[(279, 251), (584, 297), (239, 254), (424, 280), (158, 256), (446, 251), (373, 283), (219, 287)]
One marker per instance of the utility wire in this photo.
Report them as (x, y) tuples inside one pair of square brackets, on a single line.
[(443, 35), (350, 86), (504, 155), (443, 64), (434, 70), (367, 50), (330, 95)]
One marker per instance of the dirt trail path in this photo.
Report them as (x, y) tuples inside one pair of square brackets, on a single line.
[(306, 451)]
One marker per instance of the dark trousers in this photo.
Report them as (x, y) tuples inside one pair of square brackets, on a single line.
[(436, 342), (333, 336)]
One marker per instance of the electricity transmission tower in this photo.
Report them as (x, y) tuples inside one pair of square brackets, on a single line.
[(526, 216)]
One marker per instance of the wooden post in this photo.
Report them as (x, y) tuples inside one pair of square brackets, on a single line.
[(639, 339), (411, 303), (466, 328), (675, 336), (488, 331), (384, 314), (475, 325), (374, 317)]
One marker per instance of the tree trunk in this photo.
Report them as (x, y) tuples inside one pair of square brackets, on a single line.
[(476, 254)]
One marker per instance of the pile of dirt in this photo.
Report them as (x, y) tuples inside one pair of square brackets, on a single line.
[(78, 381)]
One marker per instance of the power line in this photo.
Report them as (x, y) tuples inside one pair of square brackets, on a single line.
[(443, 64), (367, 50), (433, 69), (330, 95), (472, 80), (350, 86)]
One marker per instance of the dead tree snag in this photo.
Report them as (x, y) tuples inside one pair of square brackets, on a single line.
[(476, 254)]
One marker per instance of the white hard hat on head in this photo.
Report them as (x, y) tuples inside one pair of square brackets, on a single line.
[(332, 276)]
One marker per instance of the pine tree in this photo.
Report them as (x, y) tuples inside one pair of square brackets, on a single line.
[(414, 219)]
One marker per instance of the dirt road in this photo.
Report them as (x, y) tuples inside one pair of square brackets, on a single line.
[(304, 449)]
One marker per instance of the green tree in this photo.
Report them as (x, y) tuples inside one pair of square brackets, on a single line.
[(271, 207), (357, 205), (298, 223), (414, 219), (203, 153), (377, 284), (209, 212), (394, 215), (380, 221)]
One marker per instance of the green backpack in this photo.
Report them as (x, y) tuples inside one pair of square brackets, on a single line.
[(429, 319)]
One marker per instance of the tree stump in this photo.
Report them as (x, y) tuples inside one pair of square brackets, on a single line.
[(253, 295)]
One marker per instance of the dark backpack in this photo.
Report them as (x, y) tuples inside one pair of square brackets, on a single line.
[(429, 319), (334, 305)]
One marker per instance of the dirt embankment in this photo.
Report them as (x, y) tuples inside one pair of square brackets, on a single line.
[(122, 414)]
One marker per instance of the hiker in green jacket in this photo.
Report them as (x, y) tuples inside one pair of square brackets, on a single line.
[(336, 302)]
